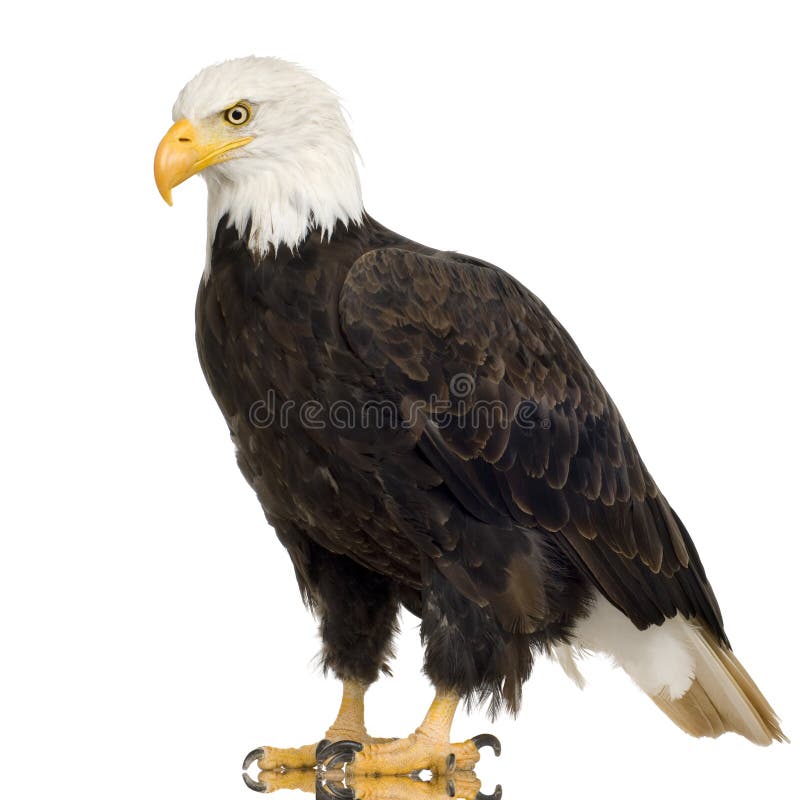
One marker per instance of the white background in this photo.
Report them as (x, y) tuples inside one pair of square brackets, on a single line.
[(636, 164)]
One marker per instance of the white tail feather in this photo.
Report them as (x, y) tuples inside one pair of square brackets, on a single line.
[(722, 697), (697, 682)]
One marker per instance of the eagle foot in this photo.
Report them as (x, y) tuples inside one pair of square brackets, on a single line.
[(334, 786), (276, 761), (407, 756)]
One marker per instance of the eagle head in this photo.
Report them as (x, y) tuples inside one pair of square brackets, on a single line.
[(273, 145)]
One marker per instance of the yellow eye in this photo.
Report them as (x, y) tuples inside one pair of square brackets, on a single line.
[(238, 114)]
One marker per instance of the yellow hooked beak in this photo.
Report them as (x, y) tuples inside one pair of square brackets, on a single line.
[(184, 152)]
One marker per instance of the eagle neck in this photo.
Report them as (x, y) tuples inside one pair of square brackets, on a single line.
[(281, 205)]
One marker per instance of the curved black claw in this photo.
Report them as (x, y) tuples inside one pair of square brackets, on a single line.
[(496, 795), (451, 788), (344, 746), (252, 756), (450, 763), (341, 758), (486, 739), (323, 743), (326, 791), (256, 786)]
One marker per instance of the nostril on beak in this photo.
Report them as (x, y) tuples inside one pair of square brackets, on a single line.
[(184, 139)]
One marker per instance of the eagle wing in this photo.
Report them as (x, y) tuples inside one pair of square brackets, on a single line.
[(518, 426)]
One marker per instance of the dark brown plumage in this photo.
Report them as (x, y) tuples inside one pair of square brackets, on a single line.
[(495, 534)]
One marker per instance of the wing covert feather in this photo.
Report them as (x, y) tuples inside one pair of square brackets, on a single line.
[(517, 424)]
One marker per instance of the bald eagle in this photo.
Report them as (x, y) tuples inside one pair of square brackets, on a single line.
[(423, 433)]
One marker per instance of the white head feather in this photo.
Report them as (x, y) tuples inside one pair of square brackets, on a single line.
[(299, 171)]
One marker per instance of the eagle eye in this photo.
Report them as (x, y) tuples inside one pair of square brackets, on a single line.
[(238, 114)]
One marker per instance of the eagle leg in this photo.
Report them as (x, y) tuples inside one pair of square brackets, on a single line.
[(348, 728), (428, 748)]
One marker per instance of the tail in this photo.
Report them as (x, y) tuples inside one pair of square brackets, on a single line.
[(722, 697), (696, 681)]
